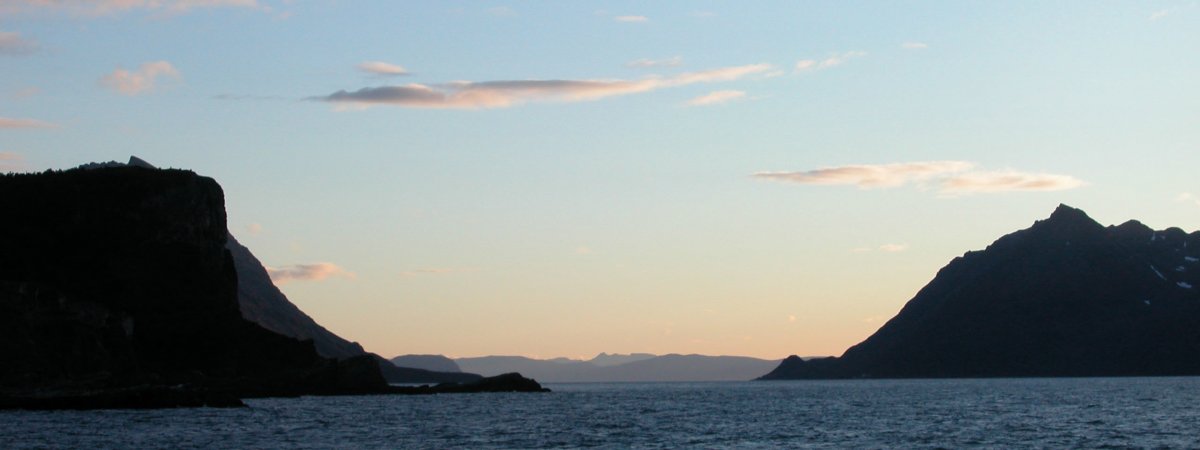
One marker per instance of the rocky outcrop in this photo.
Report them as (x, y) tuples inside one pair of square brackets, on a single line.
[(437, 363), (410, 375), (1065, 297), (508, 382), (117, 280)]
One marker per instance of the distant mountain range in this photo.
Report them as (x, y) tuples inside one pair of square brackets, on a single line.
[(643, 367), (1065, 297)]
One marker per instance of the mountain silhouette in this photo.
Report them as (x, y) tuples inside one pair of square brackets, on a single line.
[(637, 367), (1065, 297)]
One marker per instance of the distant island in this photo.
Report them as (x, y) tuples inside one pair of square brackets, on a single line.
[(1065, 297), (117, 289), (637, 367)]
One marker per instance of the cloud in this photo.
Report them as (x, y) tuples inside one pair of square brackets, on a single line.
[(1188, 197), (867, 176), (506, 93), (889, 248), (10, 123), (791, 318), (382, 69), (143, 80), (583, 250), (306, 272), (1007, 181), (104, 7), (914, 45), (11, 162), (716, 97), (631, 19), (644, 63), (832, 60), (254, 228), (11, 43), (1159, 14), (950, 177)]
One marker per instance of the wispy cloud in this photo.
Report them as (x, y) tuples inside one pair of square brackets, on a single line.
[(1159, 14), (889, 248), (911, 45), (631, 19), (139, 81), (506, 93), (11, 162), (380, 68), (867, 176), (949, 177), (1007, 181), (645, 63), (1188, 197), (716, 97), (307, 272), (10, 123), (11, 43), (104, 7), (830, 61), (254, 228)]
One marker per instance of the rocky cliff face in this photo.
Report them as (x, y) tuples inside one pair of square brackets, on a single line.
[(1065, 297), (263, 303), (118, 277)]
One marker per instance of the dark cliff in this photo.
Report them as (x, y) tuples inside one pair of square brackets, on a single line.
[(263, 303), (116, 278), (1065, 297)]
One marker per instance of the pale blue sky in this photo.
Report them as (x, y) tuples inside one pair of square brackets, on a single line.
[(604, 211)]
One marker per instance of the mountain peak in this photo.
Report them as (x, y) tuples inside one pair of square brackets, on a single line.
[(1068, 222)]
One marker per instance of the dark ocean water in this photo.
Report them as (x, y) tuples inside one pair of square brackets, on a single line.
[(1056, 413)]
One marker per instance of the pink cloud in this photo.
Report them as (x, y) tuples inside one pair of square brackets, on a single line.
[(307, 272), (140, 81), (506, 93), (6, 122)]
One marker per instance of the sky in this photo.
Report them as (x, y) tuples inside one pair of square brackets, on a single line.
[(568, 178)]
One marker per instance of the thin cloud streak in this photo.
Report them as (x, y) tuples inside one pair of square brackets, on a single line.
[(868, 176), (106, 7), (380, 68), (1159, 14), (140, 81), (11, 162), (12, 44), (507, 93), (949, 177), (831, 61), (645, 63), (914, 45), (1008, 181), (10, 123), (306, 272), (631, 19), (716, 97)]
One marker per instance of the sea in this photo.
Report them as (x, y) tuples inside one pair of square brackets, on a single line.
[(957, 413)]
